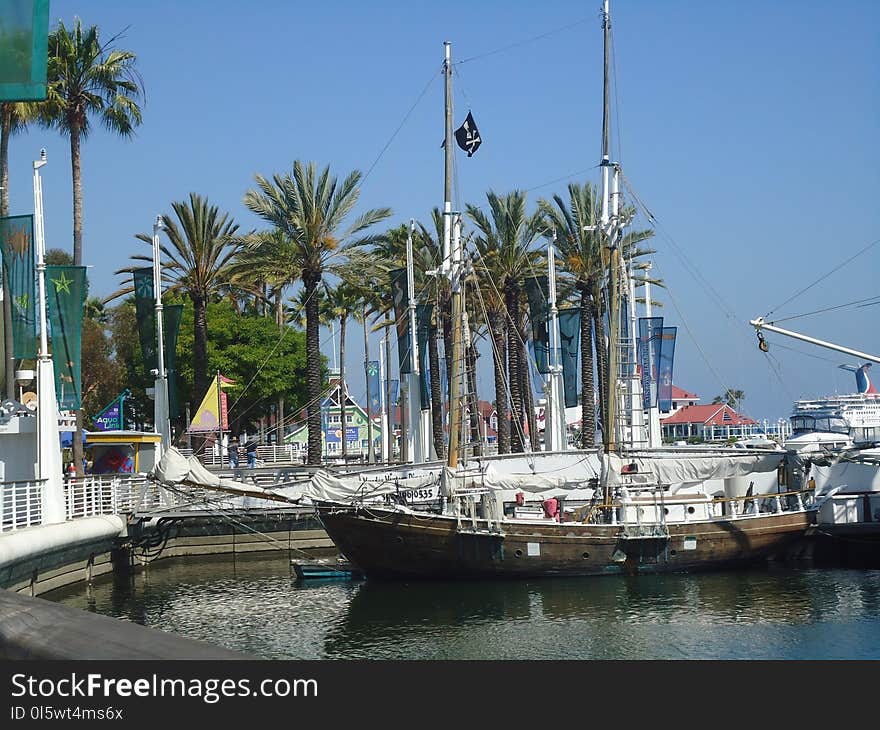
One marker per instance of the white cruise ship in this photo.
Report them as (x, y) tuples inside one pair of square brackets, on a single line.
[(838, 420)]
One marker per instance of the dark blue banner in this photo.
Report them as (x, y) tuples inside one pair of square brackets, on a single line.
[(400, 300), (664, 372), (537, 291), (650, 332), (423, 331), (375, 405)]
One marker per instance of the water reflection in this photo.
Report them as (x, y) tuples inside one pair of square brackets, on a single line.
[(253, 605)]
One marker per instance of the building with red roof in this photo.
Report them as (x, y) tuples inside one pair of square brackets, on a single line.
[(680, 399), (713, 422)]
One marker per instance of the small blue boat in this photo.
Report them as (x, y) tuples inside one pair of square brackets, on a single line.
[(325, 569)]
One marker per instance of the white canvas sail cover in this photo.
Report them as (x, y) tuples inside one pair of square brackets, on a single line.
[(326, 487), (679, 468), (175, 468), (498, 477)]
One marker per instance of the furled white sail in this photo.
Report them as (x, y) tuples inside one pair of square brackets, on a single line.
[(174, 468), (682, 468)]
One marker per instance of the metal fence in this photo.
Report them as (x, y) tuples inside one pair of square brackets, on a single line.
[(91, 496), (21, 505), (109, 495), (283, 454)]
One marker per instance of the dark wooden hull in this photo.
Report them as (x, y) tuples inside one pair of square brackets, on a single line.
[(395, 545), (855, 545)]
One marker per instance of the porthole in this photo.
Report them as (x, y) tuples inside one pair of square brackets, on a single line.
[(673, 553), (666, 510), (586, 556), (518, 553), (691, 510)]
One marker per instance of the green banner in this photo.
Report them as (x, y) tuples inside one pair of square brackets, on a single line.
[(570, 336), (66, 295), (539, 311), (145, 308), (17, 243), (171, 315), (400, 299), (24, 44)]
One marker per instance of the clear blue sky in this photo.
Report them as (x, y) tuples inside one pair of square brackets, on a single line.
[(750, 129)]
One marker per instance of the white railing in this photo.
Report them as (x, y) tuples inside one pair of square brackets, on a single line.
[(21, 505), (109, 495), (95, 495), (285, 453)]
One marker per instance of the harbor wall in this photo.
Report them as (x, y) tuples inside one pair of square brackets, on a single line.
[(39, 559), (42, 558)]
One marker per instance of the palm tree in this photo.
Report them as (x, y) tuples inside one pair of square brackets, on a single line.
[(264, 266), (310, 209), (344, 302), (85, 78), (202, 243), (582, 250), (504, 243), (731, 397)]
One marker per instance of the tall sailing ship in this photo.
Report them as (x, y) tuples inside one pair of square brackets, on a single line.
[(620, 509)]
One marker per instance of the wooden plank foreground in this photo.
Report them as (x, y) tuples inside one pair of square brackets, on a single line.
[(33, 628)]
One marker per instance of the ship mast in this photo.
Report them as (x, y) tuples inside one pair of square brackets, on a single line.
[(452, 269), (608, 226)]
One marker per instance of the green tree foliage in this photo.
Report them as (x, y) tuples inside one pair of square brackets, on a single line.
[(102, 374), (127, 353), (250, 350), (313, 210)]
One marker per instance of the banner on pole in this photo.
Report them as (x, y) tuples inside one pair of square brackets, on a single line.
[(24, 44), (171, 315), (423, 331), (374, 407), (66, 295), (17, 245), (650, 333), (145, 308), (570, 336), (400, 299), (539, 310), (664, 371)]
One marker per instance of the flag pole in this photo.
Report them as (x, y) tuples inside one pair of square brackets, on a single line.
[(54, 509), (219, 417), (160, 402)]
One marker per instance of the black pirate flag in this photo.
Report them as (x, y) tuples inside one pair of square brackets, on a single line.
[(468, 136)]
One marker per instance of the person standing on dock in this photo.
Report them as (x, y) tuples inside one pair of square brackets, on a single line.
[(251, 451), (233, 452)]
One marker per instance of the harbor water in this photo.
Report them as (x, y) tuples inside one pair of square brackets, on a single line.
[(253, 604)]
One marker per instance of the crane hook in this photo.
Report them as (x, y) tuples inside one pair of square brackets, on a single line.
[(762, 343)]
